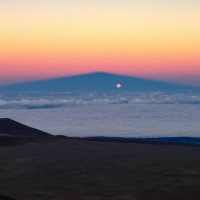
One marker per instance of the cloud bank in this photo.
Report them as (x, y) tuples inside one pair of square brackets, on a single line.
[(45, 103), (107, 114), (59, 103)]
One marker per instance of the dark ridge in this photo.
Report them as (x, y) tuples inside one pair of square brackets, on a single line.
[(7, 141), (12, 128), (185, 141), (13, 141), (2, 197)]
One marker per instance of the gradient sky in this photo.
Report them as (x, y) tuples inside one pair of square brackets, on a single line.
[(144, 38)]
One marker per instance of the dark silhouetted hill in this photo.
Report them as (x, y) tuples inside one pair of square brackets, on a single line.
[(2, 197), (12, 128), (94, 82)]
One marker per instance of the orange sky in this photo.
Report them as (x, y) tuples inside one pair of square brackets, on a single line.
[(43, 39)]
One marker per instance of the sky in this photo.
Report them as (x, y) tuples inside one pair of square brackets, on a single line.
[(152, 39)]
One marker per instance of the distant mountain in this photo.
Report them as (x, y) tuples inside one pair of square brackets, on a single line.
[(159, 140), (94, 82), (9, 127)]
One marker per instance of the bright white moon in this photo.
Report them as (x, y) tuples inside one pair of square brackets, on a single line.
[(118, 85)]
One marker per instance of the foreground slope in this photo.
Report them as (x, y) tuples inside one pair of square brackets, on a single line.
[(76, 169), (12, 128), (94, 82)]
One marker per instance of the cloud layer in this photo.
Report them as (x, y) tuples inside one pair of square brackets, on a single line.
[(82, 99), (125, 115), (45, 103)]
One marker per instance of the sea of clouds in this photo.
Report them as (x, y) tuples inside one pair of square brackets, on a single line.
[(91, 99), (138, 114)]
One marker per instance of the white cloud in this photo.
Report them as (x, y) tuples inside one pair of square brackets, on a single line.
[(45, 103), (96, 99)]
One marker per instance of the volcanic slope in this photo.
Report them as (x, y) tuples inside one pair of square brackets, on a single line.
[(9, 127)]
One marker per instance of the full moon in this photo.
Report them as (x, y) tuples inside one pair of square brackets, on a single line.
[(118, 86)]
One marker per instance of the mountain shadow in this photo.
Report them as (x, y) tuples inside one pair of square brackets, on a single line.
[(94, 82)]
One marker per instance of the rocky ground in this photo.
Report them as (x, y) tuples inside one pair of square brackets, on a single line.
[(73, 169)]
